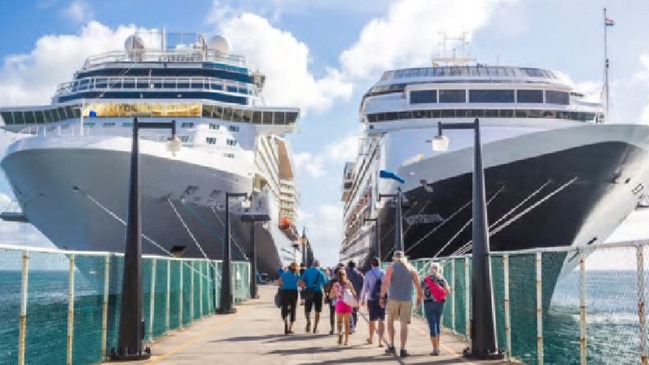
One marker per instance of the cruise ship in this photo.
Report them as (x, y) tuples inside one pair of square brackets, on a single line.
[(556, 173), (68, 164)]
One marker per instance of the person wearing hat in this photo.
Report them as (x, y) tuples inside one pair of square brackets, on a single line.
[(400, 279)]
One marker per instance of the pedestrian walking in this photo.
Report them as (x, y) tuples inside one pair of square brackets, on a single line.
[(400, 278), (288, 284), (370, 295), (357, 279), (435, 289), (313, 281), (342, 290)]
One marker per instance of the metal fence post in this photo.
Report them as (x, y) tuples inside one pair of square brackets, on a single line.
[(641, 304), (191, 290), (539, 308), (104, 309), (70, 309), (200, 288), (453, 295), (152, 298), (582, 308), (467, 290), (508, 325), (23, 308), (168, 296), (180, 297)]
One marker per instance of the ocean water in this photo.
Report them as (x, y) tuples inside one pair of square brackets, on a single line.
[(612, 337)]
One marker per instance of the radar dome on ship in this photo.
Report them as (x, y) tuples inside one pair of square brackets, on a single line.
[(134, 44), (219, 43)]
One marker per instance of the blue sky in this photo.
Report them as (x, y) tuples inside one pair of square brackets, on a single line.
[(322, 55)]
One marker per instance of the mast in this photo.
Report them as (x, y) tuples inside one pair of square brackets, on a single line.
[(607, 22)]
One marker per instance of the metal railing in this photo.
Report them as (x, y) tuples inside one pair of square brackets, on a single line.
[(62, 307), (150, 55), (558, 306)]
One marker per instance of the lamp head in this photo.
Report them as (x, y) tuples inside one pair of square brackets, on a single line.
[(440, 143)]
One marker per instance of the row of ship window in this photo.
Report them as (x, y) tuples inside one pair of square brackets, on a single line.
[(480, 113), (145, 83), (478, 70), (490, 96), (209, 111)]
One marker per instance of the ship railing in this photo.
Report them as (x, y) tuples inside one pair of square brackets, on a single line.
[(83, 131), (163, 56), (146, 84), (570, 305), (62, 306)]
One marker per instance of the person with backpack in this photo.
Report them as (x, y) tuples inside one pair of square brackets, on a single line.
[(357, 280), (313, 281), (435, 289), (370, 295)]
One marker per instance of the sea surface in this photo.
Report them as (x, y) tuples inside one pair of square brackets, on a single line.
[(613, 330)]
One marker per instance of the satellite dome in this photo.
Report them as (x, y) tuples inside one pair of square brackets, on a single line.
[(218, 43), (134, 44)]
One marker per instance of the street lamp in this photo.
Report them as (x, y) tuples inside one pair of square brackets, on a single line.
[(484, 340), (377, 238), (131, 325), (257, 212), (225, 302)]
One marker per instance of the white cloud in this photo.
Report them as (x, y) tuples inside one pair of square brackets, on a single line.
[(409, 33), (343, 150), (306, 162), (283, 59), (643, 76), (78, 11), (28, 79), (324, 227)]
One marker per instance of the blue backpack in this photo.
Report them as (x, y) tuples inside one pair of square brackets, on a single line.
[(375, 294)]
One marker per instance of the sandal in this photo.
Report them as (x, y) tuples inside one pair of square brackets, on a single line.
[(368, 341)]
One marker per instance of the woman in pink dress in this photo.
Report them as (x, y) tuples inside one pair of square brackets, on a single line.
[(343, 310)]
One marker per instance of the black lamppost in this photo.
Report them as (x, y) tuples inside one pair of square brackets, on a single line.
[(225, 303), (484, 340), (257, 212), (377, 238), (131, 324), (303, 243)]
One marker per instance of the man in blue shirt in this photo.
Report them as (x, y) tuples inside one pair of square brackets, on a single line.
[(313, 280)]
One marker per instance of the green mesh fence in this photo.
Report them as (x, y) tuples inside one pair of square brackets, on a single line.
[(73, 302)]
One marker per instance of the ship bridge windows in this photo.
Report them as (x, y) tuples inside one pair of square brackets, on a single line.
[(491, 96), (452, 96), (529, 96), (480, 113), (557, 97), (423, 96)]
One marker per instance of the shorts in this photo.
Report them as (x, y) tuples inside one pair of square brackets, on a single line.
[(402, 310), (342, 308), (375, 311), (316, 302)]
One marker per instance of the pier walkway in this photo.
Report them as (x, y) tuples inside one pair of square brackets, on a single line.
[(254, 335)]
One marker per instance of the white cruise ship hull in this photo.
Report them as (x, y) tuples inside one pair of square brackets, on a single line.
[(75, 191)]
